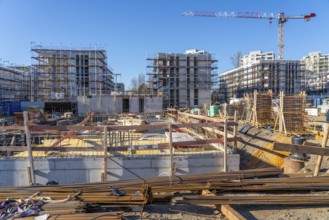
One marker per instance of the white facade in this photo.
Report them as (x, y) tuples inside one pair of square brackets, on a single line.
[(255, 56), (316, 68), (316, 61)]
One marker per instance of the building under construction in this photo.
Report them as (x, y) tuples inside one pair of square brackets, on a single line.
[(316, 68), (14, 86), (264, 75), (61, 74), (184, 79)]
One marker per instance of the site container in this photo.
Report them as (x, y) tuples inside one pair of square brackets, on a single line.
[(9, 108), (213, 110)]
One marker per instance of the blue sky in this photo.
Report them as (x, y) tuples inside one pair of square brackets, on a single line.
[(130, 29)]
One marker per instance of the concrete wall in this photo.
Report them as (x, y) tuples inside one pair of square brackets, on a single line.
[(110, 104), (85, 170)]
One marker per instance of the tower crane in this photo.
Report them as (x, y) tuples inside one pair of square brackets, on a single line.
[(281, 17)]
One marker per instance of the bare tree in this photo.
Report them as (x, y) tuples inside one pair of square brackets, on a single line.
[(235, 59), (141, 79), (141, 82), (133, 84)]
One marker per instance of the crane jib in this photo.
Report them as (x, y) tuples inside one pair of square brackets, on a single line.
[(281, 17)]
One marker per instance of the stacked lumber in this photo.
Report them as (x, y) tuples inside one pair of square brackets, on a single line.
[(257, 200), (76, 199), (83, 216), (272, 184)]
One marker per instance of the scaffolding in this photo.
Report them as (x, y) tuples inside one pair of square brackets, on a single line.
[(276, 75), (184, 79), (14, 85), (62, 74)]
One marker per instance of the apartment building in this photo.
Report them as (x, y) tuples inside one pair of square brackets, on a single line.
[(62, 74), (316, 68), (15, 85), (255, 56), (183, 79), (263, 75)]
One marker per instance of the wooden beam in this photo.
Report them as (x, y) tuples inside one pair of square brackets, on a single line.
[(303, 149), (171, 148), (105, 154), (197, 142), (323, 145), (63, 149), (225, 145), (117, 127), (61, 128), (192, 125), (12, 128), (206, 118), (29, 145), (72, 131), (231, 213)]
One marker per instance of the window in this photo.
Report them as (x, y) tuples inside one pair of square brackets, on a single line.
[(77, 60), (196, 93)]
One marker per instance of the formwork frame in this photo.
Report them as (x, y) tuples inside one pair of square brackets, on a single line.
[(107, 134)]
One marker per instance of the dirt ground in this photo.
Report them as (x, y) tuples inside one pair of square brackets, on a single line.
[(175, 212), (283, 212)]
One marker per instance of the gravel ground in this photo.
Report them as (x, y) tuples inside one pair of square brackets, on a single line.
[(283, 212), (175, 212)]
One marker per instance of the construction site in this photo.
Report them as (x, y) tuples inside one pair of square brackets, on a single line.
[(227, 162), (185, 143)]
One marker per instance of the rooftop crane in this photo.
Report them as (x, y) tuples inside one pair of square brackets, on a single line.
[(280, 17)]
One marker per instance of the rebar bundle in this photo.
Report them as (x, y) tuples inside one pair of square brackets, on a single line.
[(264, 108), (294, 113), (62, 200)]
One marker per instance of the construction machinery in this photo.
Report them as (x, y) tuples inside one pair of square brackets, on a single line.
[(281, 17)]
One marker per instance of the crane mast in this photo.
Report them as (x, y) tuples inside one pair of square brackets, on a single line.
[(282, 19)]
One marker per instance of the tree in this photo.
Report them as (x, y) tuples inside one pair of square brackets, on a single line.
[(141, 79), (138, 85), (133, 84), (235, 59), (141, 83)]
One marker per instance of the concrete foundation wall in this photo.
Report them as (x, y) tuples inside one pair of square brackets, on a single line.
[(134, 105), (153, 104), (14, 171), (110, 104)]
